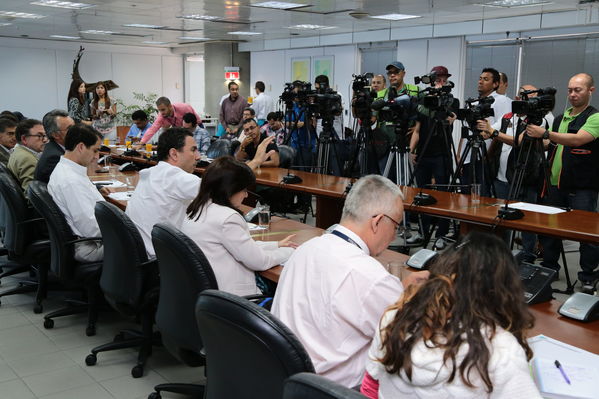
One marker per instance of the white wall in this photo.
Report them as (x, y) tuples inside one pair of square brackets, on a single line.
[(36, 74), (194, 83)]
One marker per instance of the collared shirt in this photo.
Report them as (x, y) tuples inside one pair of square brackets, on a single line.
[(136, 132), (76, 196), (162, 195), (231, 112), (37, 154), (263, 105), (8, 150), (332, 295), (175, 120), (202, 137)]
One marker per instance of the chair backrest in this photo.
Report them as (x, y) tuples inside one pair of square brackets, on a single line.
[(184, 273), (243, 340), (286, 156), (219, 148), (122, 279), (313, 386), (62, 258), (4, 169), (15, 212)]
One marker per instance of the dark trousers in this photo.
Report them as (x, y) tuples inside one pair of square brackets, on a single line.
[(585, 200), (426, 169), (467, 178)]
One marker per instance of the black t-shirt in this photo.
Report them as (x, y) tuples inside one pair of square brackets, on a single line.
[(250, 149)]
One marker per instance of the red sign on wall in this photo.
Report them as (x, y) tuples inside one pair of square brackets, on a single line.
[(231, 75)]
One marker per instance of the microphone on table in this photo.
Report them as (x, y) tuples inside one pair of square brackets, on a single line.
[(290, 178)]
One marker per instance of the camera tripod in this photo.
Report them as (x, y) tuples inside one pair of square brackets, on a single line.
[(476, 148), (294, 118), (400, 153), (327, 140), (361, 151)]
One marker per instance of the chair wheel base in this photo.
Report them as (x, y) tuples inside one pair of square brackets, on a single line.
[(37, 309), (48, 324), (91, 359), (155, 395), (90, 331), (137, 371)]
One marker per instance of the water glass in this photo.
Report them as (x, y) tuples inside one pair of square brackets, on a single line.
[(475, 193), (264, 216)]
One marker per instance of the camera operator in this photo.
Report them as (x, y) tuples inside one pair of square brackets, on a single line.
[(378, 84), (574, 162), (488, 82), (321, 84), (432, 156), (301, 134), (504, 134)]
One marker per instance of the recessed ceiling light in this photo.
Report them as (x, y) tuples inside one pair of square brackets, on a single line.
[(62, 4), (193, 38), (200, 17), (65, 37), (515, 3), (242, 33), (311, 27), (14, 14), (280, 5), (395, 17), (147, 26), (98, 32), (5, 23), (153, 42)]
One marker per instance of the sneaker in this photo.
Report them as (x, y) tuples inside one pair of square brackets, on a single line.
[(415, 238), (588, 287)]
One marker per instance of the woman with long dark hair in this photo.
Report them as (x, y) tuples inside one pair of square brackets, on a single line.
[(460, 334), (215, 222), (103, 112), (77, 104)]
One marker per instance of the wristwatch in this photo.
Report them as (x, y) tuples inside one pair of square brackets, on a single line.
[(546, 135), (495, 133)]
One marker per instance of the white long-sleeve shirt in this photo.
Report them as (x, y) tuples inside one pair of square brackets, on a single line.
[(332, 294), (162, 195), (263, 104), (223, 235), (76, 196), (508, 370)]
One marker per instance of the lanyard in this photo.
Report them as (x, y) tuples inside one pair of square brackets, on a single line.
[(345, 237)]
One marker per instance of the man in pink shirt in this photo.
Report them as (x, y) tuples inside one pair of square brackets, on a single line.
[(169, 115)]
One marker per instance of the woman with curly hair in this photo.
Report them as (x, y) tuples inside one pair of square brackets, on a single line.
[(103, 112), (461, 334)]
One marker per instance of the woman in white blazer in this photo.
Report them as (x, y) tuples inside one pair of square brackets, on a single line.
[(215, 223)]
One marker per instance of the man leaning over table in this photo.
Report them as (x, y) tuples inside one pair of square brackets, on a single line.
[(333, 292), (73, 191), (169, 115)]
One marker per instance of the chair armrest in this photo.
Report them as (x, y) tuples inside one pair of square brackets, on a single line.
[(255, 297), (84, 239), (34, 220)]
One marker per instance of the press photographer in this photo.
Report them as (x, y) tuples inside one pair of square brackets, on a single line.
[(300, 134), (574, 160)]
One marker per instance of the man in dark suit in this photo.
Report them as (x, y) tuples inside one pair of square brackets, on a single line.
[(7, 138), (56, 123)]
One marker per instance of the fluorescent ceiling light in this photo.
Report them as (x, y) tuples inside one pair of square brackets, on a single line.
[(193, 38), (153, 42), (62, 4), (279, 5), (5, 23), (311, 27), (65, 37), (98, 32), (200, 17), (242, 33), (147, 26), (14, 14), (395, 17), (515, 3)]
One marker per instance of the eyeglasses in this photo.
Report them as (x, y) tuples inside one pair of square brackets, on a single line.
[(39, 136), (394, 72), (398, 226)]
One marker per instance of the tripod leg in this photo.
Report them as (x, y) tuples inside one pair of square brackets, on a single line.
[(390, 159)]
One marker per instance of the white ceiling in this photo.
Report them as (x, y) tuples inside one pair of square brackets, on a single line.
[(236, 15)]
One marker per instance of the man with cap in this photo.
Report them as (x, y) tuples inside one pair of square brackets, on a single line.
[(431, 155)]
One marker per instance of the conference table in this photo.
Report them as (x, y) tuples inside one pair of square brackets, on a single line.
[(547, 321), (330, 192)]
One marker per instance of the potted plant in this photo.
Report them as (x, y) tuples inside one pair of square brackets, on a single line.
[(145, 102)]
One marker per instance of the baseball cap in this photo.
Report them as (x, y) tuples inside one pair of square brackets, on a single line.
[(440, 71), (395, 64)]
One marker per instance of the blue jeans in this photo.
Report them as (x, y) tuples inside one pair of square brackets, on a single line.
[(426, 169), (585, 200)]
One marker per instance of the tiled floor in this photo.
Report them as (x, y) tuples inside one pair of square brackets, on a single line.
[(50, 364)]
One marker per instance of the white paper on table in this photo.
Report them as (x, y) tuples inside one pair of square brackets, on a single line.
[(552, 383), (525, 206), (121, 195)]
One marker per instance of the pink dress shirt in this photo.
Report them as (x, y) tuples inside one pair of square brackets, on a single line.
[(175, 120)]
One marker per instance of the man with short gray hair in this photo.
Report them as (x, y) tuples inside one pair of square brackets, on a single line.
[(332, 292), (56, 123)]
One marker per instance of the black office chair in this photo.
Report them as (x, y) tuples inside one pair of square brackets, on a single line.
[(219, 148), (73, 274), (286, 156), (247, 342), (21, 241), (184, 273), (129, 282), (312, 386)]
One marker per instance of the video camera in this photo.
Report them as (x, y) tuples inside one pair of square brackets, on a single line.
[(321, 103), (535, 107), (397, 109), (476, 109), (439, 98), (297, 89), (363, 96), (426, 79)]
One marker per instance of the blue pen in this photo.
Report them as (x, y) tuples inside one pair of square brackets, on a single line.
[(561, 370)]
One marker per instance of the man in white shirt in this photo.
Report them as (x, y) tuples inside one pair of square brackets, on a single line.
[(263, 104), (332, 292), (74, 193), (164, 191)]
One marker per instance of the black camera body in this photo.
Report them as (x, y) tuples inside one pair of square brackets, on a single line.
[(297, 89), (363, 96), (476, 109), (325, 103), (535, 107), (397, 109), (438, 98)]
